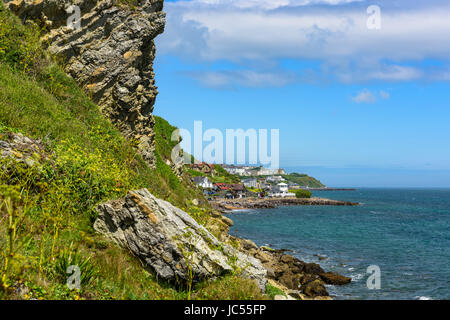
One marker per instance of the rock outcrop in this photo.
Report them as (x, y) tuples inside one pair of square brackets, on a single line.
[(21, 149), (300, 279), (111, 56), (170, 242)]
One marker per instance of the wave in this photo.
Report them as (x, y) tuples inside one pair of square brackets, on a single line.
[(423, 298)]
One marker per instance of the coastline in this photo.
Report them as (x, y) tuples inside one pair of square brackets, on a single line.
[(297, 279), (228, 205)]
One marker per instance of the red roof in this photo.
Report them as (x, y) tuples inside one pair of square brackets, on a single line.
[(226, 186)]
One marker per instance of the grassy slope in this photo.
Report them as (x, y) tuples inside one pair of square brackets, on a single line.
[(50, 206)]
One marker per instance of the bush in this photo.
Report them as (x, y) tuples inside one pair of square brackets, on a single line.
[(301, 193), (68, 258)]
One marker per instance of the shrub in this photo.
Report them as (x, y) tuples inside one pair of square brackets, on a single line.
[(67, 258), (301, 193)]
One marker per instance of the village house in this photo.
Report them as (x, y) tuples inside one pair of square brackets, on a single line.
[(203, 182), (239, 171), (234, 191), (202, 167), (276, 179), (251, 183), (281, 190)]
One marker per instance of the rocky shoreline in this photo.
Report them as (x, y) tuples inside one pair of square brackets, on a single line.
[(297, 279), (160, 234), (228, 205)]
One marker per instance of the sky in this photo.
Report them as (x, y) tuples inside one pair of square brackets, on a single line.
[(360, 94)]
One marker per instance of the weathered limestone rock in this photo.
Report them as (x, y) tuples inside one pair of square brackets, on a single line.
[(169, 241), (22, 149), (111, 56)]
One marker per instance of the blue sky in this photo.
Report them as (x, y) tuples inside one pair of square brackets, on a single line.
[(355, 106)]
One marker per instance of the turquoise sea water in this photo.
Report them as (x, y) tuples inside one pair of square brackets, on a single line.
[(406, 232)]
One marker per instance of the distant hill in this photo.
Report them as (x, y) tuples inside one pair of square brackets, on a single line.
[(303, 180)]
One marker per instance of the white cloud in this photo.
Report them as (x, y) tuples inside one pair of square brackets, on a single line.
[(331, 32), (364, 96), (246, 78)]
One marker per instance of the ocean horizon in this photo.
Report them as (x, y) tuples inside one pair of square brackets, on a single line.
[(403, 231)]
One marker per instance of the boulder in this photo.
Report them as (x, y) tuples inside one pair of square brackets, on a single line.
[(248, 244), (22, 149), (334, 278), (170, 242), (313, 268), (314, 288), (228, 221)]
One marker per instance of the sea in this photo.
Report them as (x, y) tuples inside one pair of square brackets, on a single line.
[(404, 233)]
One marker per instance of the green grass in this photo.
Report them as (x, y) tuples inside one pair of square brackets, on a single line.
[(46, 211), (272, 291), (229, 288)]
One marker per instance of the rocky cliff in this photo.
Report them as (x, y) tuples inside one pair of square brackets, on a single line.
[(110, 55)]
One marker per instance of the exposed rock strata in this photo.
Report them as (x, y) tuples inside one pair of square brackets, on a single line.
[(111, 56), (171, 242)]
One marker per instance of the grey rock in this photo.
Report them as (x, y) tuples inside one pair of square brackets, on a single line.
[(162, 236), (22, 149)]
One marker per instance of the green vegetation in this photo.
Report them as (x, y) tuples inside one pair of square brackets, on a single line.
[(301, 193), (47, 210), (229, 288), (303, 180), (218, 175), (273, 291)]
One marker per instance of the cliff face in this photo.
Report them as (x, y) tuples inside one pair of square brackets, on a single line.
[(111, 56)]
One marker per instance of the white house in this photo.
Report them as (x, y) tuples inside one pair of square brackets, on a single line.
[(275, 179), (282, 187), (203, 182), (281, 190), (250, 183)]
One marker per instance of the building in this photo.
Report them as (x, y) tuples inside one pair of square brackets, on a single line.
[(293, 186), (282, 187), (203, 182), (202, 167), (237, 170), (276, 179), (251, 183), (231, 190), (281, 190)]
